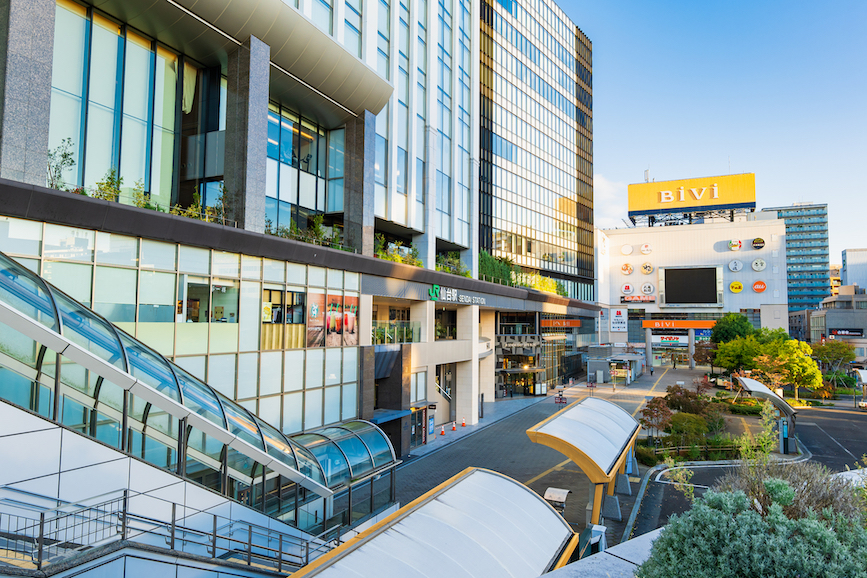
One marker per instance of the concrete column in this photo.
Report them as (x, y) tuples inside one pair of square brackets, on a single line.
[(466, 396), (691, 348), (422, 312), (366, 382), (470, 257), (365, 319), (648, 344), (26, 57), (487, 365), (359, 194), (249, 73)]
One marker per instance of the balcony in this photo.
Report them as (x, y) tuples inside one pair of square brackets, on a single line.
[(385, 332)]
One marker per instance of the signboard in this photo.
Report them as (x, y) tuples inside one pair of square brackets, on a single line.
[(760, 286), (677, 324), (847, 332), (452, 295), (758, 243), (736, 287), (638, 298), (670, 340), (561, 323), (686, 195), (619, 318)]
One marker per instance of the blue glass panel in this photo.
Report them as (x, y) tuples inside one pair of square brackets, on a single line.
[(276, 445), (356, 452), (378, 446), (307, 463), (85, 329), (200, 398), (149, 367), (329, 457), (241, 424), (22, 290)]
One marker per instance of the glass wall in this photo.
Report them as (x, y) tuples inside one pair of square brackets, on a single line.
[(244, 324), (115, 102)]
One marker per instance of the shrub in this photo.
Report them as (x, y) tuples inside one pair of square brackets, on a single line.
[(721, 537), (694, 452), (840, 379), (691, 425), (741, 409), (646, 456), (680, 399)]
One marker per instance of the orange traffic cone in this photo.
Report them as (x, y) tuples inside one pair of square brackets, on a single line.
[(463, 422), (454, 425), (443, 431)]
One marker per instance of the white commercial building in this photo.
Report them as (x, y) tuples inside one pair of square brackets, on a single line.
[(661, 287)]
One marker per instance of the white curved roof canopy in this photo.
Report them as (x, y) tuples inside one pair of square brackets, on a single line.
[(479, 523), (861, 376), (598, 429), (761, 391)]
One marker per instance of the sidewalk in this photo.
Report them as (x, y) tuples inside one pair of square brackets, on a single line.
[(494, 411)]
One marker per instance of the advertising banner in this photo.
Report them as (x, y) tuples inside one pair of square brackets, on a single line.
[(334, 320), (350, 319), (685, 195), (315, 319), (619, 320)]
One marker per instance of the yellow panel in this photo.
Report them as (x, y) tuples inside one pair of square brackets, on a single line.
[(727, 191)]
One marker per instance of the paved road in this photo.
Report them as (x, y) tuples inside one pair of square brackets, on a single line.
[(835, 436)]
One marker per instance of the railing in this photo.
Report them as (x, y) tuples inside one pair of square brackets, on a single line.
[(51, 539), (383, 332), (445, 393), (517, 329), (446, 331)]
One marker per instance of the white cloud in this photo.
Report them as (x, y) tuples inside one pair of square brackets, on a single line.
[(609, 202)]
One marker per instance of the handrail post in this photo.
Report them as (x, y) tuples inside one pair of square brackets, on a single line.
[(249, 544), (306, 552), (280, 553), (41, 540), (174, 522), (124, 524), (214, 538)]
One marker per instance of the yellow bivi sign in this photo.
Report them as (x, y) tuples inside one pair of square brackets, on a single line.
[(686, 195)]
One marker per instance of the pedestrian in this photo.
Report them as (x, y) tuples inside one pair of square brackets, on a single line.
[(674, 361), (651, 371)]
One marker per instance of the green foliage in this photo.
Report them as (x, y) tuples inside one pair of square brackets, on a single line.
[(765, 335), (451, 263), (801, 368), (681, 478), (396, 251), (60, 159), (498, 269), (691, 425), (722, 537), (731, 326), (108, 189), (714, 415), (646, 456), (741, 409), (834, 353), (142, 200), (656, 415), (840, 380), (738, 353), (779, 491)]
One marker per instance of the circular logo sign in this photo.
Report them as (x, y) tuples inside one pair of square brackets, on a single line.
[(759, 286), (647, 288), (734, 245), (626, 250), (735, 266), (647, 268), (626, 269), (736, 287), (759, 265), (646, 249), (627, 289), (758, 243)]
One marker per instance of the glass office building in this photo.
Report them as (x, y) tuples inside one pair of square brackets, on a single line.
[(536, 185), (806, 253)]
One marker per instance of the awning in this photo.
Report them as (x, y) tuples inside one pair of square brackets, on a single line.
[(761, 391), (386, 415), (478, 523), (385, 356)]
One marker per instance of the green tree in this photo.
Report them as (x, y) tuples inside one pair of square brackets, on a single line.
[(656, 415), (765, 335), (731, 326), (705, 353), (737, 354), (60, 159), (834, 353), (801, 369)]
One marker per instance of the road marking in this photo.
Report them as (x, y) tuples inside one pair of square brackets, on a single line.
[(651, 391), (835, 410), (746, 426), (546, 472), (836, 442)]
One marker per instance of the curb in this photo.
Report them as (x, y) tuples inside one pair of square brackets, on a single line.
[(804, 455), (472, 433)]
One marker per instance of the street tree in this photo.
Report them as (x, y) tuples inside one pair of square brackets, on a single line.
[(656, 415), (771, 370), (738, 354), (834, 353), (765, 335), (800, 367), (705, 351), (731, 326)]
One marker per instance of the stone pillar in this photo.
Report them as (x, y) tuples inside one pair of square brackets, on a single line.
[(691, 348), (26, 57), (487, 365), (648, 345), (466, 395), (366, 382), (359, 193), (249, 73)]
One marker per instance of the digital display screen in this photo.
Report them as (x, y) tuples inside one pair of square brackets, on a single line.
[(691, 286)]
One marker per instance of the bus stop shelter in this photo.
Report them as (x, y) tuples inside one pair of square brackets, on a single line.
[(598, 437), (787, 412)]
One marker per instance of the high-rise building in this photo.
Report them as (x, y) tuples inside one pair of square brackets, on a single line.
[(806, 253), (854, 269), (222, 177), (536, 189)]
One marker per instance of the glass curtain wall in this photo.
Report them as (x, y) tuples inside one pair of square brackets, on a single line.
[(421, 115), (444, 122), (114, 102), (300, 159)]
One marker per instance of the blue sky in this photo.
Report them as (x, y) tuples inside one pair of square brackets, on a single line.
[(701, 88)]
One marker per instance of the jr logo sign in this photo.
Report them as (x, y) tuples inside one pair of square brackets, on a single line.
[(434, 292)]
